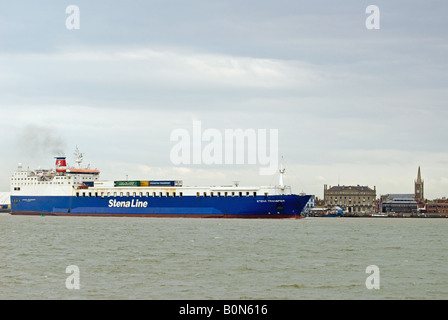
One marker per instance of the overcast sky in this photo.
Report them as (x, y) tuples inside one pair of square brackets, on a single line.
[(351, 105)]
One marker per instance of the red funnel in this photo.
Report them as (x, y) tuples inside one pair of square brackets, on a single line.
[(61, 164)]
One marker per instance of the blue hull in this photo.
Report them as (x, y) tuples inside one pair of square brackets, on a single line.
[(280, 206)]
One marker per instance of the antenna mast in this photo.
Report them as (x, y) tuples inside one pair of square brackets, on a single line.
[(282, 171), (78, 157)]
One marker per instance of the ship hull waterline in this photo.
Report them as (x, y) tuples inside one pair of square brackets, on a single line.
[(159, 215), (275, 207)]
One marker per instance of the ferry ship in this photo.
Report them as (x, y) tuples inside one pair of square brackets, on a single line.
[(78, 191)]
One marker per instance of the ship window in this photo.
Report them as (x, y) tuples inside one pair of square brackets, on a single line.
[(219, 194), (247, 193), (121, 194), (180, 194), (211, 194), (197, 194), (174, 194), (205, 194), (153, 194), (161, 194), (240, 194), (96, 194), (115, 194), (233, 194), (225, 194), (255, 194), (167, 194), (265, 195), (127, 194), (90, 194), (77, 194)]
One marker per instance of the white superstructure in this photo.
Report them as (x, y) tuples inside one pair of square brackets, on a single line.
[(68, 181)]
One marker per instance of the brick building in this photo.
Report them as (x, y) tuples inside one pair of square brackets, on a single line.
[(438, 207)]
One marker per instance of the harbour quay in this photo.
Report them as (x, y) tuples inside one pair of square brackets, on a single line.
[(362, 201)]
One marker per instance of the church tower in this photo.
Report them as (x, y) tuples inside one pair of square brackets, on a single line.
[(418, 187)]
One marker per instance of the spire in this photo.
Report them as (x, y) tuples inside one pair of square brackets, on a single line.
[(419, 187)]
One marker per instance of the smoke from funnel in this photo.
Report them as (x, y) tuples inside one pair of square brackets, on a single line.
[(37, 139)]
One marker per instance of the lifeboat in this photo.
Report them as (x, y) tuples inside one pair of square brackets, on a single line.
[(82, 171)]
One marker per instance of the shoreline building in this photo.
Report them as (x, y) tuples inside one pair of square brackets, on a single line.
[(404, 203), (419, 187), (5, 201), (398, 204), (311, 204), (354, 200), (437, 208)]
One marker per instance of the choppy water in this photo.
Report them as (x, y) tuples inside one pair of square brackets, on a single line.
[(156, 258)]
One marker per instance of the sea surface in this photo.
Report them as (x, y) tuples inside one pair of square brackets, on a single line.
[(182, 258)]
